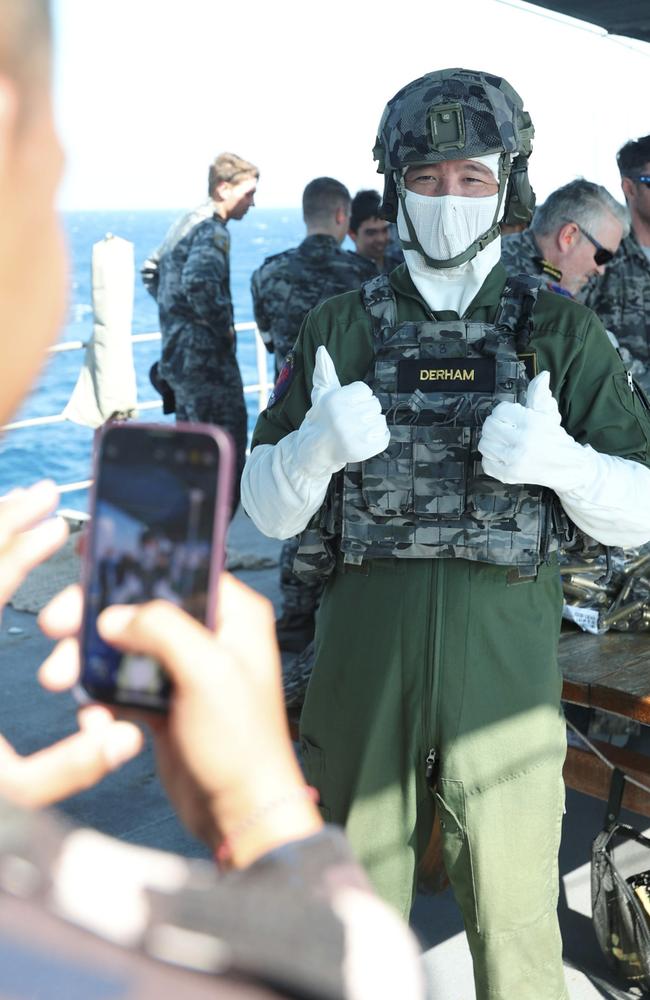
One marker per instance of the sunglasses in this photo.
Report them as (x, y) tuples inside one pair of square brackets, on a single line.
[(643, 179), (602, 255)]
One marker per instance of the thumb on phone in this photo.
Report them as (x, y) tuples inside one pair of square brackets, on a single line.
[(325, 377)]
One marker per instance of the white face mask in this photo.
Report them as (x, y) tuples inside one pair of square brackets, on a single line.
[(447, 225)]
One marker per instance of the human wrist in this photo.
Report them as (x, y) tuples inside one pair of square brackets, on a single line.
[(270, 818)]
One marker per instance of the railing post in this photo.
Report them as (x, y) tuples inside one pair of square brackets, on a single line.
[(262, 376)]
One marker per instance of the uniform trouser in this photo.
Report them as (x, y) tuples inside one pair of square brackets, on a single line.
[(419, 654), (209, 398), (297, 597)]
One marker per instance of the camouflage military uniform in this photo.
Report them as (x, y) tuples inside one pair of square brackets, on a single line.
[(621, 299), (284, 289), (289, 284), (521, 255), (435, 684), (196, 321), (393, 257)]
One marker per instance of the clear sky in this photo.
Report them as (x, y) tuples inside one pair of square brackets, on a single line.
[(149, 91)]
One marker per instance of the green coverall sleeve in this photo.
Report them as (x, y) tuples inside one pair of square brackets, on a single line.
[(599, 405)]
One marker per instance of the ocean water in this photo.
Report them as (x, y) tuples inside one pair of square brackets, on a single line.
[(62, 451)]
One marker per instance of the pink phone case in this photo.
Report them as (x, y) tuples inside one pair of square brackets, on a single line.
[(222, 508)]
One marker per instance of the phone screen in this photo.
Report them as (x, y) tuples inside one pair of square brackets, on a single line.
[(152, 536)]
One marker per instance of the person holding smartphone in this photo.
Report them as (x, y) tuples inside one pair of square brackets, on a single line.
[(287, 912)]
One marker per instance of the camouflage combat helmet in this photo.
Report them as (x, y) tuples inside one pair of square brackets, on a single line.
[(457, 114)]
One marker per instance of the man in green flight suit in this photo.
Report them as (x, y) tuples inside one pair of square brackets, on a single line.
[(436, 433)]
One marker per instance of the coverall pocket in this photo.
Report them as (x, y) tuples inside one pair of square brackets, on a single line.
[(456, 853), (634, 400)]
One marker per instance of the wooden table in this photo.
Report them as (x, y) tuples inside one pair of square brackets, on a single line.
[(610, 672)]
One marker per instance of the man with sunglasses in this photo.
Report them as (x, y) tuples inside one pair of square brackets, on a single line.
[(572, 237), (621, 298)]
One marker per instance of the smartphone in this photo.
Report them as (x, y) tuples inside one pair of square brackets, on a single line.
[(160, 508)]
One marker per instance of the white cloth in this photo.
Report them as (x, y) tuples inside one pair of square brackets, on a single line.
[(106, 386), (284, 484), (446, 226), (606, 496)]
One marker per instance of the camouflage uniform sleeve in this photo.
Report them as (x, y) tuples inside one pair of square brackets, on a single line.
[(598, 405), (205, 280), (262, 317)]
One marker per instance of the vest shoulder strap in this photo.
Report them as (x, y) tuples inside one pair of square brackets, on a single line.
[(379, 302)]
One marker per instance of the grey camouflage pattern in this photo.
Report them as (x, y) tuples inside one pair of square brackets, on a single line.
[(494, 119), (289, 284), (298, 596), (520, 254), (621, 300), (198, 356), (426, 496), (149, 271)]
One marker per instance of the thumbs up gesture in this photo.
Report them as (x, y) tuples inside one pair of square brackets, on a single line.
[(345, 423), (527, 444)]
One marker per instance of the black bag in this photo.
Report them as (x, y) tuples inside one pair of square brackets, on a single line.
[(164, 388), (620, 904)]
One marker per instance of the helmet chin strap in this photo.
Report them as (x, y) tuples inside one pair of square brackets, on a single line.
[(479, 244)]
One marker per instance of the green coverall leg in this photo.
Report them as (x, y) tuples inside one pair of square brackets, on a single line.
[(446, 654)]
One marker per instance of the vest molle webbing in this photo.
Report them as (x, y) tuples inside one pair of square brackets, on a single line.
[(426, 496)]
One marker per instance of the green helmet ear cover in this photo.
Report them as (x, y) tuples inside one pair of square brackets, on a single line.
[(494, 230), (520, 197)]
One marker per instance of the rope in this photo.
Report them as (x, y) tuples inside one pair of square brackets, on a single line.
[(596, 751)]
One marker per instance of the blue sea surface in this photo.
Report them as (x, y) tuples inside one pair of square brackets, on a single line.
[(63, 451)]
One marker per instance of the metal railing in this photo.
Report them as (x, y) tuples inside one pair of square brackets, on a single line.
[(261, 387)]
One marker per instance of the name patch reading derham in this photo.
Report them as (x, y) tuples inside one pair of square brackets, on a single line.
[(446, 375)]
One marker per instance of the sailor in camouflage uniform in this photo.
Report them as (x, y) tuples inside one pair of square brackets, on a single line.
[(434, 476), (572, 237), (190, 278), (284, 289), (622, 297), (289, 284), (372, 235)]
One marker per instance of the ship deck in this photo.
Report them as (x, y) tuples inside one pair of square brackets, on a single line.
[(130, 804)]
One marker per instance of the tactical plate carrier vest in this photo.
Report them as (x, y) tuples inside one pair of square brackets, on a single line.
[(426, 496)]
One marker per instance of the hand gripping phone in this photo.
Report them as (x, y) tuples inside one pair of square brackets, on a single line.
[(160, 509)]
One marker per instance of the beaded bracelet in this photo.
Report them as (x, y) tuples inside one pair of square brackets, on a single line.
[(223, 852)]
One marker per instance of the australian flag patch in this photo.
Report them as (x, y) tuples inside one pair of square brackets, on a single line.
[(283, 381)]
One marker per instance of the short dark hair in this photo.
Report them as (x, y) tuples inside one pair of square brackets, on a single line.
[(365, 205), (230, 168), (322, 197), (633, 156)]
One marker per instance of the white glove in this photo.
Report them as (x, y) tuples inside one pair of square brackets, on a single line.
[(345, 424), (284, 484), (606, 496)]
